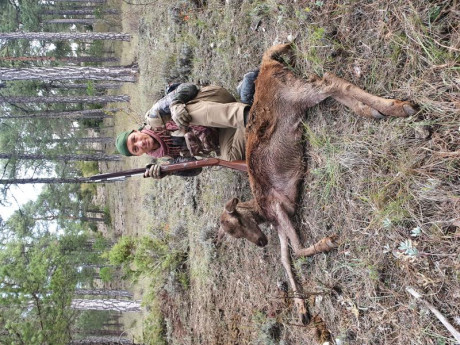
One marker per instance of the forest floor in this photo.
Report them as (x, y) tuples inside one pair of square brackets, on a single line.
[(389, 189)]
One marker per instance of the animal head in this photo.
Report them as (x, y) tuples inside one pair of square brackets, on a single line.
[(240, 220)]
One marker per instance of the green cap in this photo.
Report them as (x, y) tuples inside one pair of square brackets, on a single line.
[(122, 143)]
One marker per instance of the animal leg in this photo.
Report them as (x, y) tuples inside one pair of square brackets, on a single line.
[(363, 103), (299, 302), (324, 245)]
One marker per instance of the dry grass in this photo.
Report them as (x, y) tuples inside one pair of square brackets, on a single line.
[(390, 189)]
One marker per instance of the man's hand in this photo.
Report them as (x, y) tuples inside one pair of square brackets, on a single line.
[(153, 170), (180, 115)]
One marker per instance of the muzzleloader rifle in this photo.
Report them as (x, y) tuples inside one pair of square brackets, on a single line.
[(170, 168)]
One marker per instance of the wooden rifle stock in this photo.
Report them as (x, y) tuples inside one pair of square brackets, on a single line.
[(170, 168)]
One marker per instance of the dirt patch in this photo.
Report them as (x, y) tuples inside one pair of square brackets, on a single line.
[(389, 189)]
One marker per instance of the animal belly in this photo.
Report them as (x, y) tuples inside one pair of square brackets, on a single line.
[(275, 159), (276, 169), (284, 152)]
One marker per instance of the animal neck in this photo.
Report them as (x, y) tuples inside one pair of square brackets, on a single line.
[(253, 207)]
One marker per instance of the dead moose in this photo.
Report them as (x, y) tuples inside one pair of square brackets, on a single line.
[(274, 153)]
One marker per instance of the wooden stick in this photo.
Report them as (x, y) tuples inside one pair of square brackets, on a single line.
[(436, 312)]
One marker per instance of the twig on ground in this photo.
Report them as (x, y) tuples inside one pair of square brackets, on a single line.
[(436, 312)]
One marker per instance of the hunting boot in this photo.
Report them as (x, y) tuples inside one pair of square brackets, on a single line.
[(246, 87)]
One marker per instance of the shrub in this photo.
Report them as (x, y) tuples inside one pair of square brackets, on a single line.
[(106, 274), (121, 253)]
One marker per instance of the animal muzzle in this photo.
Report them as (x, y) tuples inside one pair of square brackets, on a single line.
[(262, 241)]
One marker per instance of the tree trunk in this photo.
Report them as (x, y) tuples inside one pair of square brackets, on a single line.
[(103, 341), (100, 332), (111, 293), (76, 59), (44, 180), (64, 99), (97, 86), (89, 210), (61, 157), (76, 6), (116, 325), (70, 21), (125, 74), (88, 140), (106, 304), (63, 36), (90, 219), (74, 115), (85, 1), (89, 245), (71, 12), (94, 265)]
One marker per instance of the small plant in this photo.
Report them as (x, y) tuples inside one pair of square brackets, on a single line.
[(434, 13), (407, 248), (416, 232), (386, 222), (261, 9), (147, 256), (269, 329), (390, 206), (98, 12), (184, 280), (302, 14), (301, 262), (106, 274), (107, 217), (88, 168), (121, 252), (90, 89), (386, 249)]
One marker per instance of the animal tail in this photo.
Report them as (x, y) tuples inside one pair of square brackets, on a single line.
[(273, 54)]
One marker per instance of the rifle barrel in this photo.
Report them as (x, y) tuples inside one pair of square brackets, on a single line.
[(117, 175), (169, 168)]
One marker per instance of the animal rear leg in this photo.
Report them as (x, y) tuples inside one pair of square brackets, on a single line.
[(364, 103), (324, 245), (358, 107), (285, 224), (299, 302)]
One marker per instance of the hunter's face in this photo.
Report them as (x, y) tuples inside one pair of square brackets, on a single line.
[(139, 143)]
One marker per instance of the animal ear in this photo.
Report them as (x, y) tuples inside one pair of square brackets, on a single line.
[(230, 206)]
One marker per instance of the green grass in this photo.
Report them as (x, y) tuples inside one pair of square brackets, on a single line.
[(327, 173)]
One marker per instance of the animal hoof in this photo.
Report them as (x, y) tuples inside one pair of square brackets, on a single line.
[(262, 242), (302, 310), (377, 115), (305, 318), (282, 286), (409, 109), (332, 241)]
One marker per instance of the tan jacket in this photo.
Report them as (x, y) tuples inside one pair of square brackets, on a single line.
[(213, 106)]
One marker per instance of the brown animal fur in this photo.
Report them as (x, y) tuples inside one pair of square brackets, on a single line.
[(274, 152)]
